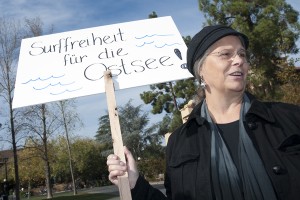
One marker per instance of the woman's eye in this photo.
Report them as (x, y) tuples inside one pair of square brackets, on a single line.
[(242, 54), (225, 54)]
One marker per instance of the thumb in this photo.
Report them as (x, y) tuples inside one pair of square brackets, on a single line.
[(132, 170), (128, 155)]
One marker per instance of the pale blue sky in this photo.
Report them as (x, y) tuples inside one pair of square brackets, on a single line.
[(68, 15)]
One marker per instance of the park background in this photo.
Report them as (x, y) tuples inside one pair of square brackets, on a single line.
[(79, 14)]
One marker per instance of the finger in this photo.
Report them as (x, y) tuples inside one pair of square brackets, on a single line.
[(130, 160), (128, 154), (115, 165), (112, 162), (113, 178), (115, 173), (112, 157)]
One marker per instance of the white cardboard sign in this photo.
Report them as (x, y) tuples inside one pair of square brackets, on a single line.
[(71, 64)]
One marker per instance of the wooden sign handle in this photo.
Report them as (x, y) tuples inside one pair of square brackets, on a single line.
[(124, 187)]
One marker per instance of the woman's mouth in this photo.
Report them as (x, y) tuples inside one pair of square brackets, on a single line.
[(236, 74)]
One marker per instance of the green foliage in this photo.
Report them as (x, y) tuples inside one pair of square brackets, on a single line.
[(187, 40), (151, 167), (61, 168), (170, 96), (289, 89), (31, 167), (144, 142), (272, 28), (136, 133), (176, 121), (152, 15), (86, 156)]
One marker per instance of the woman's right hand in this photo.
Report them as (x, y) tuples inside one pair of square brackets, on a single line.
[(118, 168)]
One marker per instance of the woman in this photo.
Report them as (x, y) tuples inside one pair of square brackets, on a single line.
[(232, 146)]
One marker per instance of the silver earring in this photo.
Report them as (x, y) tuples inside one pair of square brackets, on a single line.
[(202, 84)]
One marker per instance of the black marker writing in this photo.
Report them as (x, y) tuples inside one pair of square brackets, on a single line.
[(65, 45)]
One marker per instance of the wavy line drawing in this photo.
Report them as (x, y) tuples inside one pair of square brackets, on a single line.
[(144, 44), (160, 35), (166, 45), (49, 85), (65, 91), (41, 79)]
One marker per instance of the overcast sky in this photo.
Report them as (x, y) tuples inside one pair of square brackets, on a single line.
[(68, 15)]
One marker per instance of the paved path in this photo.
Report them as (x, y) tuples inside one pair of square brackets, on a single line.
[(112, 189)]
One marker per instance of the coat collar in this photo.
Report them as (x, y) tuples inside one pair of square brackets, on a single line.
[(258, 109)]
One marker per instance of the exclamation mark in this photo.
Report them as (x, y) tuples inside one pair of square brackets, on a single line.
[(178, 54)]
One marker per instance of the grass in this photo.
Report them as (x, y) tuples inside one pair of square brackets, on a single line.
[(97, 196), (70, 196)]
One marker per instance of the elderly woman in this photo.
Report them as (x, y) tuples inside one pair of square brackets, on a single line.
[(233, 146)]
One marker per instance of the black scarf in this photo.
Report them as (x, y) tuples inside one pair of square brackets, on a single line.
[(253, 182)]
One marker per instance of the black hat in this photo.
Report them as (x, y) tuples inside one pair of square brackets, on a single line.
[(205, 38)]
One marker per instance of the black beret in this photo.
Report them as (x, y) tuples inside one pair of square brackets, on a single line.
[(205, 38)]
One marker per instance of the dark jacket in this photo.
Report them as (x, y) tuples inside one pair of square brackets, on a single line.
[(275, 131)]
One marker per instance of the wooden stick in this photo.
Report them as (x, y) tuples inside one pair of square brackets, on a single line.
[(124, 187)]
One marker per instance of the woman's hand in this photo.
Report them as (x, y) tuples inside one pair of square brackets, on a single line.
[(118, 168)]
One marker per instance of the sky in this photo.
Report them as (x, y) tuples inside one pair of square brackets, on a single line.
[(69, 15)]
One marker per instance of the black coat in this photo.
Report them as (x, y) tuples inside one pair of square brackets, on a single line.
[(275, 131)]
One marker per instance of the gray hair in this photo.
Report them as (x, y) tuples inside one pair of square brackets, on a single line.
[(198, 64)]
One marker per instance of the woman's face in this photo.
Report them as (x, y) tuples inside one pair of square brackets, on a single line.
[(225, 68)]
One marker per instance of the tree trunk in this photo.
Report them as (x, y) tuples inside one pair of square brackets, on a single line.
[(69, 147), (29, 189), (13, 137), (48, 180), (70, 160), (173, 95), (46, 158)]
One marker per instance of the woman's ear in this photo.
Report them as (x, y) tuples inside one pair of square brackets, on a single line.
[(200, 70)]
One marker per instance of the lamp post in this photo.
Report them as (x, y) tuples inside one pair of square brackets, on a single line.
[(5, 165), (5, 183)]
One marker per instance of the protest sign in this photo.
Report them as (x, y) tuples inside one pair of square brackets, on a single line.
[(71, 64)]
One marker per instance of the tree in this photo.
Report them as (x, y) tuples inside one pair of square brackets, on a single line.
[(69, 120), (86, 156), (42, 123), (272, 28), (60, 166), (172, 96), (152, 15), (134, 127), (290, 80), (144, 142), (30, 167), (11, 33)]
